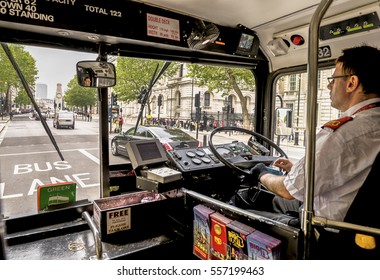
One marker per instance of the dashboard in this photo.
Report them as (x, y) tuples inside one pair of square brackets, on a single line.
[(202, 158)]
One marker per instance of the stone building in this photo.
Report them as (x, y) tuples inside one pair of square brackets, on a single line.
[(178, 101)]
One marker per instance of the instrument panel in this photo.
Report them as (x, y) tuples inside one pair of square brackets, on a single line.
[(197, 159), (194, 159)]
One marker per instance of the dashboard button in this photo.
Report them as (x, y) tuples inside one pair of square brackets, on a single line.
[(196, 161), (190, 154)]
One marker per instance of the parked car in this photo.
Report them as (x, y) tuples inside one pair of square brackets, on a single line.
[(169, 137), (64, 119)]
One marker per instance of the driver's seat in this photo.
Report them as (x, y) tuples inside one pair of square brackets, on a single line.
[(363, 211)]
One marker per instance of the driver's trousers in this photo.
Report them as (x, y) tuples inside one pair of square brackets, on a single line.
[(286, 206), (284, 210)]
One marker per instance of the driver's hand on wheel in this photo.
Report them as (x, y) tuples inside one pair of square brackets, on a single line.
[(259, 170), (283, 163)]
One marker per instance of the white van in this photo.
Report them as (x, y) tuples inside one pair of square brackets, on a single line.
[(64, 119)]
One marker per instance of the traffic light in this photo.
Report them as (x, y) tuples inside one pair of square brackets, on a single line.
[(114, 100), (197, 100), (159, 100), (198, 114)]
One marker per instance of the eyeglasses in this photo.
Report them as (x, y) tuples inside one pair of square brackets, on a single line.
[(332, 79)]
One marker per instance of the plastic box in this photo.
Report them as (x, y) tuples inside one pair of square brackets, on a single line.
[(132, 216)]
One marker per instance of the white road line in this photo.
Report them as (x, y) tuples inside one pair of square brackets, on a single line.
[(45, 152), (2, 134), (90, 156)]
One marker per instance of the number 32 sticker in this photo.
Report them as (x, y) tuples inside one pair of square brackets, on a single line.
[(324, 52)]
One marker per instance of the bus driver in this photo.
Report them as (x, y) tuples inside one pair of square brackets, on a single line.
[(345, 148)]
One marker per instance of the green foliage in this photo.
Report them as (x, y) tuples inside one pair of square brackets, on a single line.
[(77, 96), (22, 99), (225, 80), (133, 74), (9, 77), (220, 79)]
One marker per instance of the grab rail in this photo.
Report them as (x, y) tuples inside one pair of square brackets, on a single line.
[(307, 213), (98, 243)]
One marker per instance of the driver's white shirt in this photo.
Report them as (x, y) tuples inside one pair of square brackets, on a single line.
[(343, 160)]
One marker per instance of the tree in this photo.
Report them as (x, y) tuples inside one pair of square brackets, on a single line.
[(133, 74), (9, 78), (77, 96), (223, 80), (22, 99)]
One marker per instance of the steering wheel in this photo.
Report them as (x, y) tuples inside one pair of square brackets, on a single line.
[(244, 167)]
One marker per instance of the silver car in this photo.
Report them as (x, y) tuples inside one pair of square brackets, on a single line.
[(64, 119)]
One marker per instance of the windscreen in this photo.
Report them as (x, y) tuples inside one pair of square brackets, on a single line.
[(28, 159)]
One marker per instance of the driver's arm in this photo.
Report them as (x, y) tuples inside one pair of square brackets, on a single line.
[(275, 184)]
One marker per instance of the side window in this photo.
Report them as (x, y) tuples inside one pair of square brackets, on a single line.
[(291, 91), (141, 132), (207, 99), (148, 134), (129, 132)]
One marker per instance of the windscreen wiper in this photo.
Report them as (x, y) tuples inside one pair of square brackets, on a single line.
[(29, 92), (145, 92)]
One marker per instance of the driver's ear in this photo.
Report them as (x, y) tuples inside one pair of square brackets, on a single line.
[(353, 83)]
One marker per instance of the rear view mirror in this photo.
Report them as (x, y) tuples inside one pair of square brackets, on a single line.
[(96, 74), (284, 121)]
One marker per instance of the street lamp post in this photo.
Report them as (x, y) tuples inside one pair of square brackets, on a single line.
[(296, 133), (192, 96), (228, 114), (2, 107), (171, 102)]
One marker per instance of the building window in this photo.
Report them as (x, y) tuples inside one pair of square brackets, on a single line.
[(229, 100), (293, 83), (290, 106), (207, 99), (178, 98)]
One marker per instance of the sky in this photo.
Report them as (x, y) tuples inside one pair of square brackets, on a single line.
[(56, 66)]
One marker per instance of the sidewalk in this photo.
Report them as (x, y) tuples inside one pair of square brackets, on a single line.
[(3, 122)]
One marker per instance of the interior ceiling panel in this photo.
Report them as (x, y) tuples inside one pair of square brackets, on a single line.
[(270, 19), (250, 13)]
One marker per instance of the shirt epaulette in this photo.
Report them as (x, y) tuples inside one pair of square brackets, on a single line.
[(335, 124)]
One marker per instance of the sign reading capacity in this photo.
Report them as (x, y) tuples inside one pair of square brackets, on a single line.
[(162, 27)]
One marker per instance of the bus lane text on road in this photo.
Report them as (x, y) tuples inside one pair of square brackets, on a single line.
[(83, 180)]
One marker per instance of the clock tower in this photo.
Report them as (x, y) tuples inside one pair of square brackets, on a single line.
[(58, 97)]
